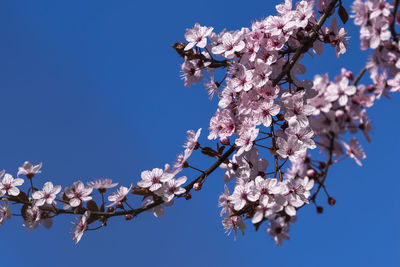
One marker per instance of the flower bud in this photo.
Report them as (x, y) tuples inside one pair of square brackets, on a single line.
[(120, 205), (310, 172), (349, 75), (371, 88), (320, 210), (339, 113), (128, 217), (225, 141), (197, 186), (110, 209), (331, 201), (188, 196)]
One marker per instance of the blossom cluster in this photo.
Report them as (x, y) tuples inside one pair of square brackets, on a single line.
[(268, 117), (255, 98)]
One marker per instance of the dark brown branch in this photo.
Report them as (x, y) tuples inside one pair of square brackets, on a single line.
[(133, 212), (359, 76)]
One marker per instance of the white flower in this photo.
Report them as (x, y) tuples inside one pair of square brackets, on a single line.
[(242, 194), (32, 217), (102, 184), (29, 170), (47, 195), (78, 193), (81, 227), (9, 185), (298, 191), (234, 223), (172, 188), (119, 195), (224, 202), (291, 148), (155, 178), (5, 212), (197, 36), (279, 230), (191, 140), (158, 211), (354, 150)]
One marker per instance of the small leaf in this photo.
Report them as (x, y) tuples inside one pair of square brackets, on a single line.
[(91, 205), (221, 150), (23, 211), (343, 14), (210, 152), (137, 190), (92, 219), (23, 197)]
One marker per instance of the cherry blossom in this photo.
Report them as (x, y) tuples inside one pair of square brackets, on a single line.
[(78, 193), (47, 195), (5, 212), (81, 227), (197, 36), (268, 119), (29, 170), (119, 195), (354, 151), (172, 188), (102, 184), (8, 185)]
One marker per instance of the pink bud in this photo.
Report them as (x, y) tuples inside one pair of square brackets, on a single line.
[(339, 113), (119, 205), (331, 201), (197, 186), (349, 75), (128, 217), (225, 141), (310, 173), (110, 209)]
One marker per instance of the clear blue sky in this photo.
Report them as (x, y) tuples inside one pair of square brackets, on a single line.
[(92, 88)]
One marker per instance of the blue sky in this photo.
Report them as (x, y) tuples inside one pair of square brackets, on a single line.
[(92, 88)]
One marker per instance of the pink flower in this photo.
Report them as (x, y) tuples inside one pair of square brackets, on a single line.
[(5, 212), (172, 188), (222, 125), (291, 147), (78, 193), (340, 91), (81, 227), (230, 43), (8, 185), (191, 140), (197, 36), (119, 195), (192, 72), (339, 37), (354, 151), (102, 184), (265, 111), (47, 195), (279, 230), (154, 179), (234, 223), (29, 170)]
